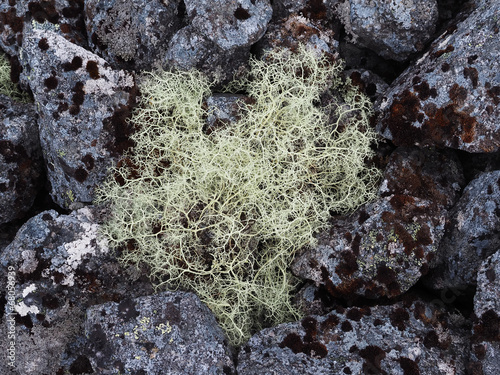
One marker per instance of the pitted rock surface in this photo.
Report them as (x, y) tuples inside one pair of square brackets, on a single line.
[(82, 105), (394, 29), (450, 96), (21, 164), (411, 337), (485, 345), (472, 235), (132, 34), (61, 267), (168, 333), (384, 248)]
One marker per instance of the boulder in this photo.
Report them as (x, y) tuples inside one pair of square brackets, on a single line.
[(450, 96)]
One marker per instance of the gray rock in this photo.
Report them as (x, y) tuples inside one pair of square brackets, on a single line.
[(190, 49), (368, 82), (65, 15), (450, 96), (295, 29), (82, 106), (218, 37), (410, 337), (21, 164), (230, 25), (132, 34), (473, 234), (60, 267), (485, 347), (393, 29), (384, 248), (167, 333)]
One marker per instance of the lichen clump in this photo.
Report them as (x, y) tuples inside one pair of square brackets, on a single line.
[(223, 213), (7, 87)]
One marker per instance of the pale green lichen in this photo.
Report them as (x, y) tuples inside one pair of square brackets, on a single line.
[(223, 214), (7, 87)]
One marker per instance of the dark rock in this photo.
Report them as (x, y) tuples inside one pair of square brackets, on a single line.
[(21, 164), (450, 96), (64, 15), (60, 267), (384, 248), (132, 34), (393, 29), (472, 235), (485, 345), (168, 333), (82, 105), (411, 337), (218, 37)]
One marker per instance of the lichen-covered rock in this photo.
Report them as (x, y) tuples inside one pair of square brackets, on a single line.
[(21, 163), (410, 337), (82, 106), (132, 34), (450, 96), (230, 25), (472, 235), (368, 82), (190, 49), (384, 248), (295, 30), (168, 333), (394, 29), (60, 267), (485, 345), (65, 15), (218, 37)]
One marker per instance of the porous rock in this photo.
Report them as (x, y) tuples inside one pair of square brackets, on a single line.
[(218, 37), (132, 34), (21, 163), (472, 235), (450, 96), (383, 249), (410, 337), (61, 267), (65, 15), (82, 105), (485, 343), (294, 30), (394, 29), (167, 333)]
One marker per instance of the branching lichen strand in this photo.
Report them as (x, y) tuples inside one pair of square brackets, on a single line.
[(223, 214)]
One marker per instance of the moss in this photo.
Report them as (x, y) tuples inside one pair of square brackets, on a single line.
[(223, 213)]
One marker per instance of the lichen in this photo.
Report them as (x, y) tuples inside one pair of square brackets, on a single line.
[(7, 87), (223, 213)]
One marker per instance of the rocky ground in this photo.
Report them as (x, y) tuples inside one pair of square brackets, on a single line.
[(405, 285)]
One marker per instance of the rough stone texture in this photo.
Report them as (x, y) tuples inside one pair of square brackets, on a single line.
[(230, 25), (410, 337), (61, 267), (394, 29), (218, 37), (297, 29), (168, 333), (21, 161), (472, 235), (368, 82), (65, 15), (450, 96), (485, 347), (82, 106), (132, 34), (384, 248)]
